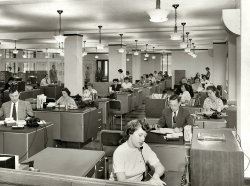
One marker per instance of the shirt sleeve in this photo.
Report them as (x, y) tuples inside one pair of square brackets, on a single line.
[(118, 162), (149, 155), (205, 104)]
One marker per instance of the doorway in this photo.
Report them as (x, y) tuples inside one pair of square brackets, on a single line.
[(102, 71)]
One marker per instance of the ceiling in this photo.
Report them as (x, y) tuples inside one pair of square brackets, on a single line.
[(33, 23)]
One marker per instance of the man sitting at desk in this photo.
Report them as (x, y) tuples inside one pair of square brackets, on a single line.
[(45, 81), (174, 116), (115, 86), (16, 108)]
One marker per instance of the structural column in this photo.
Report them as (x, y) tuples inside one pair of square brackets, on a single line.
[(243, 71), (136, 67), (73, 73), (116, 61)]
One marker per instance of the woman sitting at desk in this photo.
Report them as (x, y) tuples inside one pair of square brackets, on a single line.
[(65, 99), (197, 86), (212, 102), (131, 157), (115, 86), (185, 95), (126, 85), (89, 93)]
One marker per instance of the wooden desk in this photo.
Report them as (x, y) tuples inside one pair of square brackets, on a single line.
[(25, 142), (73, 125), (217, 163), (72, 162)]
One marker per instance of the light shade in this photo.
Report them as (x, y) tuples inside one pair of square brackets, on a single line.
[(146, 55), (158, 15), (100, 46), (183, 44), (136, 53), (84, 53), (15, 51), (121, 50), (175, 36), (96, 56), (153, 57), (61, 53), (1, 54), (187, 50), (60, 38)]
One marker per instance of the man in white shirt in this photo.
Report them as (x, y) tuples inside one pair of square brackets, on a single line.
[(45, 81), (16, 108)]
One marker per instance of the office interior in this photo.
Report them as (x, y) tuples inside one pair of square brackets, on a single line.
[(218, 36)]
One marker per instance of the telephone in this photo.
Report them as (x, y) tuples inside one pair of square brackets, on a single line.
[(32, 122)]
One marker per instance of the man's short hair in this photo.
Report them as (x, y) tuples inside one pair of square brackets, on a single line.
[(175, 97), (126, 78), (115, 80), (13, 89)]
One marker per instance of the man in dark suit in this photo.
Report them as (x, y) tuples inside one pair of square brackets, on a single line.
[(115, 86), (175, 116), (16, 108)]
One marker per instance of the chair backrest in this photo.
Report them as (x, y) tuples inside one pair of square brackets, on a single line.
[(115, 104), (110, 140)]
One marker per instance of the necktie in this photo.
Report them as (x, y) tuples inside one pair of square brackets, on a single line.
[(14, 112), (174, 120)]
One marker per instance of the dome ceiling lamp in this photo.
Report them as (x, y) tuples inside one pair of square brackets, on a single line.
[(158, 15), (153, 56), (100, 46), (121, 50), (24, 54), (183, 44), (60, 37), (175, 36), (84, 49), (146, 51), (15, 51), (136, 53), (187, 49)]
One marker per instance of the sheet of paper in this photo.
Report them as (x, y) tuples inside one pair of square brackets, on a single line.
[(163, 131)]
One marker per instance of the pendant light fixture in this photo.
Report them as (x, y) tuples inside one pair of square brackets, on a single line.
[(158, 14), (60, 37), (146, 51), (183, 44), (175, 35), (194, 54), (24, 54), (46, 53), (84, 49), (100, 45), (121, 50), (136, 53), (190, 47), (61, 52), (187, 49), (153, 56), (96, 56), (15, 51)]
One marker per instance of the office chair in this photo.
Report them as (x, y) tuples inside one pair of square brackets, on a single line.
[(115, 110), (110, 140)]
